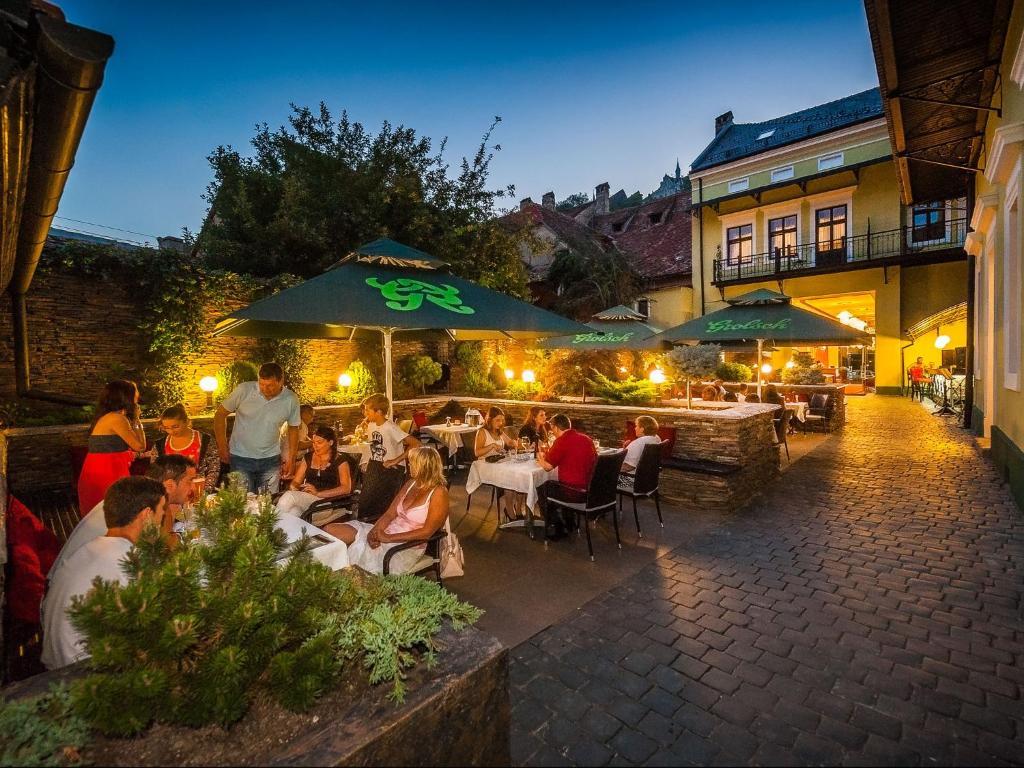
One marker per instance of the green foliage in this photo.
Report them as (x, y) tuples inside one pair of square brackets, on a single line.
[(733, 372), (233, 374), (317, 188), (363, 385), (629, 392), (197, 631), (806, 370), (520, 390), (633, 200), (478, 384), (476, 378), (572, 201), (590, 278), (42, 730), (15, 413), (419, 371), (693, 363), (565, 371)]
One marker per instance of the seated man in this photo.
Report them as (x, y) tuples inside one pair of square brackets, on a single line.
[(574, 455), (177, 473), (130, 505)]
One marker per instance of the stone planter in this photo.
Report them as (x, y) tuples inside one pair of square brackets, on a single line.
[(454, 714)]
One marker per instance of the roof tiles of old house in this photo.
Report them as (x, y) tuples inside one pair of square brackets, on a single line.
[(575, 235), (654, 236), (738, 140)]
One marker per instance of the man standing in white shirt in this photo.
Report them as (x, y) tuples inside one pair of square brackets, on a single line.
[(130, 505), (261, 408), (385, 473)]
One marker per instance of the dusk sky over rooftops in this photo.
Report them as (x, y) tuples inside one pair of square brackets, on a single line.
[(588, 92)]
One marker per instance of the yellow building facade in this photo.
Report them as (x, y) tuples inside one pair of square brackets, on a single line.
[(808, 204)]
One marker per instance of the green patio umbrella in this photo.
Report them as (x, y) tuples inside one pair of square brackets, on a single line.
[(613, 329), (764, 315), (399, 292)]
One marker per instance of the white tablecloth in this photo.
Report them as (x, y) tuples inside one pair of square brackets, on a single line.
[(333, 554), (799, 410), (360, 449), (522, 476), (451, 436)]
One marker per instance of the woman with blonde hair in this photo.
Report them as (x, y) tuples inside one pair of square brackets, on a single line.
[(419, 509)]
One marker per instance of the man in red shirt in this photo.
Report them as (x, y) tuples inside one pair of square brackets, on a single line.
[(574, 455)]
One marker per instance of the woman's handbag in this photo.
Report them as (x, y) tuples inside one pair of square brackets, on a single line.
[(452, 558)]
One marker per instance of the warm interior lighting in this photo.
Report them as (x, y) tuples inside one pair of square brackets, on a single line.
[(767, 368), (208, 384), (790, 364), (345, 380), (844, 316), (941, 342), (623, 369), (529, 377), (510, 374), (657, 376)]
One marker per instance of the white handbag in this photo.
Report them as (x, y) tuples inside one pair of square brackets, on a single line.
[(452, 558)]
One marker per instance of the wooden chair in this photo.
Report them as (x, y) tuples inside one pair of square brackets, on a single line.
[(600, 498), (644, 484)]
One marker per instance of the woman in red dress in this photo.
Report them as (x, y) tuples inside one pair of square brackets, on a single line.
[(116, 436)]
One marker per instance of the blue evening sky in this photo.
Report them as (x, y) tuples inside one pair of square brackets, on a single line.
[(588, 92)]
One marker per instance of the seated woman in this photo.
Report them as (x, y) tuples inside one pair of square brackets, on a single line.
[(489, 438), (646, 434), (180, 438), (419, 509), (771, 395), (535, 428), (709, 393), (323, 474)]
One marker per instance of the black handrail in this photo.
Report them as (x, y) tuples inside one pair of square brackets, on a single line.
[(856, 249)]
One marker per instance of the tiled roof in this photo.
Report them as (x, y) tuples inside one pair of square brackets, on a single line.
[(656, 251), (738, 140)]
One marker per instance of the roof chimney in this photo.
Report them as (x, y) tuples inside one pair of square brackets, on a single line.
[(525, 203), (548, 201), (722, 122), (601, 202)]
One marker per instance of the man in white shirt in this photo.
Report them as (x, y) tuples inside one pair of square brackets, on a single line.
[(261, 408), (174, 471), (385, 472), (130, 505)]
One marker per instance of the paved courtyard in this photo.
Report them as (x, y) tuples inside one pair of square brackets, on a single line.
[(867, 610)]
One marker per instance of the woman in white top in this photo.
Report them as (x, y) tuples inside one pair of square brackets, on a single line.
[(489, 438), (647, 434), (419, 509)]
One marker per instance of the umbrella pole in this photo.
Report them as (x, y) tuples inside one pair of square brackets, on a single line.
[(388, 385), (760, 345)]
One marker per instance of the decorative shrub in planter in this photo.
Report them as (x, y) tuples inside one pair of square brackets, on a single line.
[(236, 628)]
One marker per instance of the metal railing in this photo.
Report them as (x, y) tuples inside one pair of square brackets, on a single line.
[(845, 251)]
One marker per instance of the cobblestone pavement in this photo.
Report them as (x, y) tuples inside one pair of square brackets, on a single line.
[(865, 611)]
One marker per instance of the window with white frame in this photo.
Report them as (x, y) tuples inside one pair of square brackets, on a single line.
[(738, 185), (739, 243), (829, 161), (1011, 292), (781, 174)]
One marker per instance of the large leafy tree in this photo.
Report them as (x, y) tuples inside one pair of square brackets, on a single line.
[(589, 278), (315, 189)]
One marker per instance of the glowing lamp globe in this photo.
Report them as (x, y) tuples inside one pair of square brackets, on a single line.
[(510, 374), (767, 368), (790, 364), (345, 380), (844, 317), (208, 384), (657, 376), (942, 341), (529, 377)]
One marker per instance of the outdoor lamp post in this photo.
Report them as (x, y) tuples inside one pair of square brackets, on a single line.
[(766, 371), (209, 385), (509, 374), (529, 376), (657, 376)]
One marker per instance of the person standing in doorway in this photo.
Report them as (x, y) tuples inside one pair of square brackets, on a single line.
[(261, 408)]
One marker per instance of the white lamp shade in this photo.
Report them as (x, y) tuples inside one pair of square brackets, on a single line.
[(767, 368), (529, 377), (657, 376), (844, 316), (510, 374), (345, 380), (942, 341), (208, 384)]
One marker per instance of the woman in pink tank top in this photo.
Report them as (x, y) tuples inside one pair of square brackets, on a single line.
[(418, 510)]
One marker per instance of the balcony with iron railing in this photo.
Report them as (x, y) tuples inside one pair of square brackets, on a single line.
[(906, 245)]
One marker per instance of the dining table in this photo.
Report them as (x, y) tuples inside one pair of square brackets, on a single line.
[(451, 435), (362, 450)]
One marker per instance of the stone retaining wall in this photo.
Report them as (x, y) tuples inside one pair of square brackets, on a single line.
[(736, 434)]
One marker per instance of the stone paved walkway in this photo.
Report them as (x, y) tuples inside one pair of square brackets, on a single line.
[(866, 611)]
